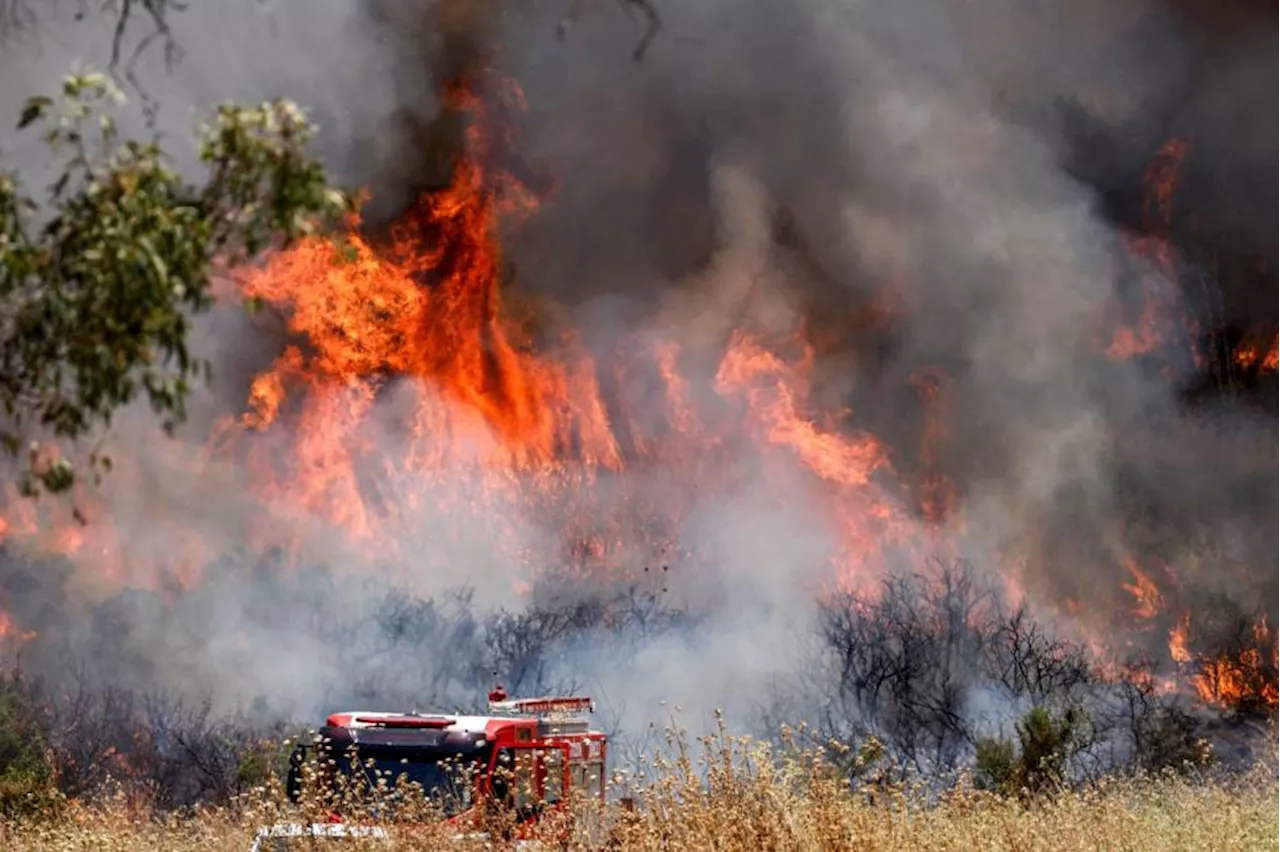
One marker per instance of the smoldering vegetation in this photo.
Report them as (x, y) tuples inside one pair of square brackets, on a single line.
[(922, 673)]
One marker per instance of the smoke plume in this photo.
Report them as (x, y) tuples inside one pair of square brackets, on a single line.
[(938, 195)]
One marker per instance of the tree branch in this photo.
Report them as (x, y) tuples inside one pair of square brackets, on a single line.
[(646, 8), (654, 24)]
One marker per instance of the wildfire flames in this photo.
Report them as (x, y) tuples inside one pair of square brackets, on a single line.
[(1157, 260), (1257, 355), (521, 413), (501, 417), (1234, 679)]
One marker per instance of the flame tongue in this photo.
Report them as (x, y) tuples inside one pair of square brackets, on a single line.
[(433, 314), (524, 418)]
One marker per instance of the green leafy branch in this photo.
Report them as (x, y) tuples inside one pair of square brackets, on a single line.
[(98, 286)]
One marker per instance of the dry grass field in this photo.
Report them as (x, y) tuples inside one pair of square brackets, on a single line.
[(1165, 815), (734, 801)]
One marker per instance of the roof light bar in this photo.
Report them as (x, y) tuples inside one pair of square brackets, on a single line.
[(542, 707)]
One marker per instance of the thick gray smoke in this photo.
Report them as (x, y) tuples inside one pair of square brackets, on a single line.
[(934, 149), (764, 162)]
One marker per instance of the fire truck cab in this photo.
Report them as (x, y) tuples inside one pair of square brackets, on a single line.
[(523, 758)]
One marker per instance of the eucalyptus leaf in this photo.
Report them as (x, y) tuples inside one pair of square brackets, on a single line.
[(101, 277)]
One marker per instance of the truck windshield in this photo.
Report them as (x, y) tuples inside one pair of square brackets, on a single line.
[(445, 782)]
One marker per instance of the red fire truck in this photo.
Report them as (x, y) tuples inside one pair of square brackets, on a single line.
[(522, 759)]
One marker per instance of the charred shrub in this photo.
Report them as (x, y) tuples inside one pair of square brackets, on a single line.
[(176, 752), (1169, 738), (930, 663), (1024, 661), (1164, 735), (521, 647), (903, 662)]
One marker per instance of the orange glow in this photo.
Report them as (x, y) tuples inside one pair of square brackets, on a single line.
[(1158, 261), (1161, 179), (1145, 593), (1256, 354), (773, 391), (10, 634), (1236, 679), (1178, 642)]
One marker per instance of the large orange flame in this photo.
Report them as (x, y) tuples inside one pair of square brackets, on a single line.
[(496, 403)]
